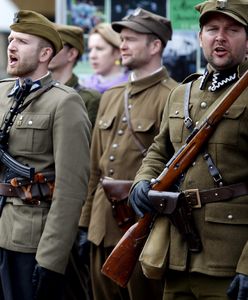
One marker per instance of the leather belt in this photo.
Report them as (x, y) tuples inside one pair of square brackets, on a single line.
[(31, 194), (198, 198), (8, 190)]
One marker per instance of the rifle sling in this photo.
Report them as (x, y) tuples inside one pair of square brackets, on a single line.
[(213, 170)]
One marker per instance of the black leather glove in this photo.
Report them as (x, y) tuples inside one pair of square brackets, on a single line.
[(82, 245), (47, 284), (139, 198), (238, 288)]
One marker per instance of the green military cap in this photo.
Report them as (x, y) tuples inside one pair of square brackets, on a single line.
[(72, 35), (107, 33), (27, 21), (236, 9), (143, 21)]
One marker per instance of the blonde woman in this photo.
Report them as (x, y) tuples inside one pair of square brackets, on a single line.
[(104, 57)]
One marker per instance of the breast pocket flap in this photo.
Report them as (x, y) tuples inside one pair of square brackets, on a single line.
[(227, 213), (33, 121)]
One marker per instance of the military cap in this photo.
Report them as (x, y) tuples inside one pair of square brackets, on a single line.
[(31, 22), (143, 21), (72, 35), (236, 9), (107, 33)]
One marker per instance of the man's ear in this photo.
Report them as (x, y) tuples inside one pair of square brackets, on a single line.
[(72, 54), (156, 46), (46, 54)]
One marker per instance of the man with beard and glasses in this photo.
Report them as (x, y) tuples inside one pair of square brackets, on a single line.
[(128, 118), (214, 187), (48, 130)]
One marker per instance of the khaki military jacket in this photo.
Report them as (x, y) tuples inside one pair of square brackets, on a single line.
[(52, 133), (91, 97), (223, 226), (114, 152)]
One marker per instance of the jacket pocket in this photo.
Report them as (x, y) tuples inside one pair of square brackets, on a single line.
[(225, 233), (146, 130), (28, 225), (31, 133), (227, 131)]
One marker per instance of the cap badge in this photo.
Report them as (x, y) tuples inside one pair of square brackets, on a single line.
[(221, 4), (135, 13), (16, 18)]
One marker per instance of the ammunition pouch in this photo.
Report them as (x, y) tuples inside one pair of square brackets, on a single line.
[(117, 192), (179, 211)]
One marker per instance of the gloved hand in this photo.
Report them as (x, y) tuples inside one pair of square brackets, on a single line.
[(47, 284), (82, 245), (139, 198), (238, 288)]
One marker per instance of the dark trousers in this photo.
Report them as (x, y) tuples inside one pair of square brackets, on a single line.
[(16, 270)]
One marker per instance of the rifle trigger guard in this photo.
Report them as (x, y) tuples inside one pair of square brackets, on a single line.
[(193, 194)]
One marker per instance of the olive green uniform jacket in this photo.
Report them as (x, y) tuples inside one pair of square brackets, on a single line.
[(42, 137), (114, 152), (91, 97), (223, 226)]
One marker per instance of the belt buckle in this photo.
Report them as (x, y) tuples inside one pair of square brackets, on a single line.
[(197, 197)]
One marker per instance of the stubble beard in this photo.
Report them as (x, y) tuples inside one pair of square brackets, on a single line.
[(22, 69)]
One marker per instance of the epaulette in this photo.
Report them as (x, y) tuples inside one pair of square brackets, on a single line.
[(63, 87), (169, 83), (7, 79), (191, 77)]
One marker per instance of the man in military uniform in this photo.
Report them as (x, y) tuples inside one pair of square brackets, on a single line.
[(39, 220), (129, 116), (63, 63), (218, 175)]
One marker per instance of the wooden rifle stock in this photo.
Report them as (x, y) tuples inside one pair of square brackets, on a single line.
[(122, 260)]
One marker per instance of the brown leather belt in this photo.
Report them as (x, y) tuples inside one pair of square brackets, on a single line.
[(31, 194), (198, 198)]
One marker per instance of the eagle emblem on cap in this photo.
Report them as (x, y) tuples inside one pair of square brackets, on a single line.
[(136, 12), (16, 18), (221, 4)]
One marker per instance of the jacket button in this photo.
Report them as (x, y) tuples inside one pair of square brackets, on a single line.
[(120, 132), (111, 172), (230, 217), (203, 105), (111, 158)]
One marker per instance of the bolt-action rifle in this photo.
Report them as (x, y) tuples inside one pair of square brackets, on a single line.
[(122, 260)]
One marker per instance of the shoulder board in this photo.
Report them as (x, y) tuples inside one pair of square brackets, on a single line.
[(192, 77), (169, 83), (63, 87), (8, 80)]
